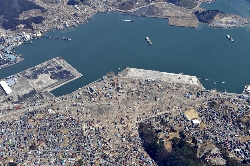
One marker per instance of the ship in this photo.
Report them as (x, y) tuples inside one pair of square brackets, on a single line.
[(230, 38), (64, 38), (149, 41), (128, 20)]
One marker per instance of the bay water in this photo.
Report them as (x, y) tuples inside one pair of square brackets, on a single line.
[(106, 43)]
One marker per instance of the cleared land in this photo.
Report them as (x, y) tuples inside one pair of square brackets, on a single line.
[(191, 114)]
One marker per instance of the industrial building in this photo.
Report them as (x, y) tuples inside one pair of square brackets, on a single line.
[(5, 87)]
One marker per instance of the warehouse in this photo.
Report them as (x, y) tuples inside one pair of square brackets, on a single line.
[(5, 87)]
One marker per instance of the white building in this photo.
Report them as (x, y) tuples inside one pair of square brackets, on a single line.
[(196, 121), (5, 87)]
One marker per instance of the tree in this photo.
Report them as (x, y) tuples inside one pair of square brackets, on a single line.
[(150, 140), (233, 162), (183, 154)]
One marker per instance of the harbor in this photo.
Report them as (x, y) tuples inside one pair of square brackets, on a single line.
[(36, 83), (96, 119), (64, 20), (58, 38), (164, 55)]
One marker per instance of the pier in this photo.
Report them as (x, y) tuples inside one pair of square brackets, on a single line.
[(58, 38)]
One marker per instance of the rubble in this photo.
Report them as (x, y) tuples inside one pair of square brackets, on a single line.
[(99, 122)]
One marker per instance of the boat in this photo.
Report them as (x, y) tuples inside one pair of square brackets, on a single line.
[(66, 24), (64, 38), (128, 20), (149, 41), (28, 42), (230, 38)]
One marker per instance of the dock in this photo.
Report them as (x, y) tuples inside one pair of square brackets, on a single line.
[(37, 82), (58, 38), (164, 76)]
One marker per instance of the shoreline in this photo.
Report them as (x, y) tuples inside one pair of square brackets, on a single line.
[(19, 60)]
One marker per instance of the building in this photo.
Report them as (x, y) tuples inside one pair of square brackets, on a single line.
[(196, 121), (5, 87)]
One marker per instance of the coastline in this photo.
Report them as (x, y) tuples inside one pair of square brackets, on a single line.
[(139, 98)]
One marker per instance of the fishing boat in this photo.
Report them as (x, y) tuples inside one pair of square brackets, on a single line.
[(149, 41), (230, 38)]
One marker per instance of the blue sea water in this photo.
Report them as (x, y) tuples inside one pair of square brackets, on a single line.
[(106, 43)]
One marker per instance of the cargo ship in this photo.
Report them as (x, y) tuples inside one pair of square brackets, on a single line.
[(149, 41), (128, 20)]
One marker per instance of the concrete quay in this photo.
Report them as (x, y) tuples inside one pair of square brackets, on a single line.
[(171, 77), (36, 83)]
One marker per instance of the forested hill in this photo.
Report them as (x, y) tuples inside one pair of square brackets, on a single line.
[(182, 152), (189, 4), (10, 10)]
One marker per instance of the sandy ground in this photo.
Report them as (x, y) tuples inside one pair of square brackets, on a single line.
[(191, 114)]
